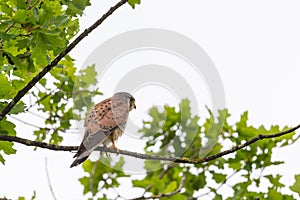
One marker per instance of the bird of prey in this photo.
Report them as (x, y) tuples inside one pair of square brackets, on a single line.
[(104, 123)]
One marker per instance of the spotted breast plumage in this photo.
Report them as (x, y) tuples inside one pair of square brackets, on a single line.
[(104, 123)]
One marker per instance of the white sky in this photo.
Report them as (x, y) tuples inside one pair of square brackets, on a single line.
[(253, 44)]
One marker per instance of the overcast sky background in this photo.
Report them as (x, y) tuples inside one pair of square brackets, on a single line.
[(253, 44)]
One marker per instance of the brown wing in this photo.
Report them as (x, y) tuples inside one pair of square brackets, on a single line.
[(96, 113), (106, 116)]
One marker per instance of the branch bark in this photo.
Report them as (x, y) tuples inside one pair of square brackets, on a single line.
[(67, 50), (147, 156)]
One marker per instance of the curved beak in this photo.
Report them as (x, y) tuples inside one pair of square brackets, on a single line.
[(134, 105)]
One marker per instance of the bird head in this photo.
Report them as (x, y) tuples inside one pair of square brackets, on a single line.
[(132, 104), (127, 97)]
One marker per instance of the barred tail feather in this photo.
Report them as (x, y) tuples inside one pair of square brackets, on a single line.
[(78, 161), (81, 155)]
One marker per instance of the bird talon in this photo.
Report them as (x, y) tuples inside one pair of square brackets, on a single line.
[(101, 152), (113, 147)]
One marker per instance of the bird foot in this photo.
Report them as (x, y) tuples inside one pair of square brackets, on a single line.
[(114, 147), (107, 155)]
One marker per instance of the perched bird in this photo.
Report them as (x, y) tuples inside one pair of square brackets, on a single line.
[(104, 123)]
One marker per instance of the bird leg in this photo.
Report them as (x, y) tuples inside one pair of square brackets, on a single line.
[(114, 147), (101, 152)]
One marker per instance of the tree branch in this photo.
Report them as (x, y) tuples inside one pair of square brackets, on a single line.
[(67, 50), (146, 156)]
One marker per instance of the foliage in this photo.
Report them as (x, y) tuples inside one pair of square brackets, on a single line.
[(182, 131), (34, 32), (296, 186), (101, 175)]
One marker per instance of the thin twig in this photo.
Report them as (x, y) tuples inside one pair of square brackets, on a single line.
[(44, 97), (32, 5), (48, 178), (118, 194), (37, 115), (75, 130), (67, 50), (146, 156), (221, 185), (26, 123), (41, 99), (249, 142), (92, 177)]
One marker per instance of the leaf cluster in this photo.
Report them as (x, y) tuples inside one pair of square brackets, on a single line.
[(32, 33), (176, 132)]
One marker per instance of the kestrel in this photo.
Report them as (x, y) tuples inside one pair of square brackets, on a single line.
[(104, 123)]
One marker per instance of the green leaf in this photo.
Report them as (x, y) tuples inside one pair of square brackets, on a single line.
[(219, 178), (273, 194), (243, 129), (133, 2), (2, 160), (20, 16), (171, 187), (7, 36), (76, 7), (41, 134), (86, 182), (18, 108), (7, 148), (6, 88), (158, 185), (7, 127), (21, 4), (55, 138), (195, 182), (275, 181), (141, 183), (175, 197), (88, 76), (18, 84), (185, 110), (6, 9), (235, 164), (216, 149), (40, 45), (152, 165), (296, 186), (33, 195), (119, 165)]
